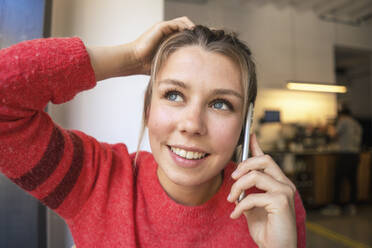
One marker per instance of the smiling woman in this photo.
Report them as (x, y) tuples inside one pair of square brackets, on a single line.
[(184, 193)]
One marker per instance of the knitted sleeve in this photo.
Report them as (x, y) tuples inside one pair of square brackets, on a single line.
[(35, 153)]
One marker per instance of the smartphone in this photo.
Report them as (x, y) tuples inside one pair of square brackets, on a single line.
[(247, 132)]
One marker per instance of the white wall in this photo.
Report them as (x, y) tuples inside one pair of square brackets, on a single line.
[(112, 111), (287, 45)]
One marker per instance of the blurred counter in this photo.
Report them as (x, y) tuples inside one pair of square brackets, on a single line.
[(313, 173)]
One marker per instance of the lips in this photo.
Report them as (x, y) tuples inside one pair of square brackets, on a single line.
[(190, 154)]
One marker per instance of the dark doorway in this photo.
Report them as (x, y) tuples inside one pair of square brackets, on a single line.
[(353, 69)]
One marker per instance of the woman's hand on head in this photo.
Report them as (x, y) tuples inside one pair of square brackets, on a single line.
[(270, 215), (145, 46), (134, 57)]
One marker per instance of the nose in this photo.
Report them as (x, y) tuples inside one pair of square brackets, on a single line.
[(193, 121)]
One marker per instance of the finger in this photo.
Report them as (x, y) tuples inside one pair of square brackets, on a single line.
[(273, 203), (178, 24), (261, 181), (172, 26), (265, 164), (255, 148), (249, 202), (162, 29), (187, 21)]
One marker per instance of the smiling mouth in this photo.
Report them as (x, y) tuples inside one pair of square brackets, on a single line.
[(188, 154)]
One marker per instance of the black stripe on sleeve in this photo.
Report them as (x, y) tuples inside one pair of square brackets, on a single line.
[(55, 198), (47, 164)]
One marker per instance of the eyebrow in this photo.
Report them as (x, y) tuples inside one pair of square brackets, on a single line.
[(227, 92), (173, 82), (215, 91)]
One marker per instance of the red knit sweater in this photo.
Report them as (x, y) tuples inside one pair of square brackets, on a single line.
[(90, 184)]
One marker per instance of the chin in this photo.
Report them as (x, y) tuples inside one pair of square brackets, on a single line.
[(186, 179)]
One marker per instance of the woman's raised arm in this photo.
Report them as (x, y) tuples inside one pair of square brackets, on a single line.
[(44, 159)]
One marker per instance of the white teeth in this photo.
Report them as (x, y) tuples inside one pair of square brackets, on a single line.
[(182, 153), (188, 154)]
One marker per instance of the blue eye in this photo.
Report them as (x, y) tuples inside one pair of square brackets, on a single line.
[(218, 105), (174, 96), (221, 105)]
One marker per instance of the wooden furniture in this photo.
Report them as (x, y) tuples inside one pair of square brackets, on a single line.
[(364, 176), (313, 174)]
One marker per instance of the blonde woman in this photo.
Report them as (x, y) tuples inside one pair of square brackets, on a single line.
[(184, 193)]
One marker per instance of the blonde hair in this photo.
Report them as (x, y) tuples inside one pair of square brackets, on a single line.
[(212, 40)]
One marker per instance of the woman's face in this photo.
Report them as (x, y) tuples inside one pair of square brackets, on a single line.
[(195, 117)]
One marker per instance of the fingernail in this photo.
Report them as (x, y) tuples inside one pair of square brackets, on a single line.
[(232, 215), (235, 174), (229, 197)]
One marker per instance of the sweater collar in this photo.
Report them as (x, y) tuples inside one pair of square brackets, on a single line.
[(162, 205)]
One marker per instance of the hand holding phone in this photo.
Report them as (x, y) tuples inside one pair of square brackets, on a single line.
[(272, 207)]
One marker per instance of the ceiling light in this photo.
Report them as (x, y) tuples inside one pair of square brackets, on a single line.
[(316, 87)]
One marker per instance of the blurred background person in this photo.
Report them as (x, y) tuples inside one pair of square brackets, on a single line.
[(347, 133)]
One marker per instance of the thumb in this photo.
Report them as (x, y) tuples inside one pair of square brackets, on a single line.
[(254, 146)]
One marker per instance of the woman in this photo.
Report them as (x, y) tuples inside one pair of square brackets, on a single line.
[(201, 82)]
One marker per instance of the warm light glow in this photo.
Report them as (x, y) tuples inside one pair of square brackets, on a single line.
[(307, 107), (316, 87)]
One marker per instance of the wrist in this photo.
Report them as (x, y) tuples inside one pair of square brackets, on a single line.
[(128, 62), (114, 61)]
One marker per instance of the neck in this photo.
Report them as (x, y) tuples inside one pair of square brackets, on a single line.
[(190, 195)]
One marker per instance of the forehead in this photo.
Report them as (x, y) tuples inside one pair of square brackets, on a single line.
[(194, 64)]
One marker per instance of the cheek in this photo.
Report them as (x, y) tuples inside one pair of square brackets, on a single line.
[(160, 121), (225, 133)]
